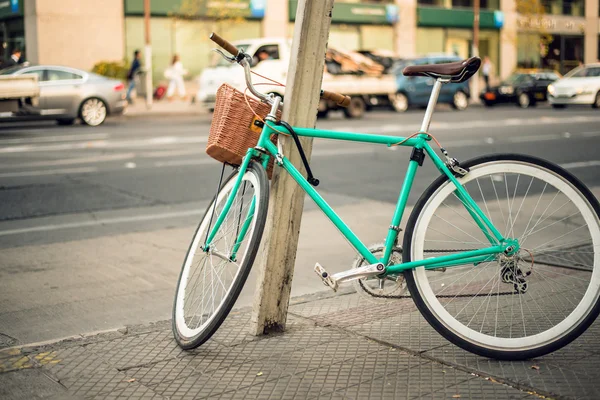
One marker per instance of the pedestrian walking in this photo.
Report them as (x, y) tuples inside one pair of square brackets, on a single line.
[(175, 74), (131, 75), (486, 70)]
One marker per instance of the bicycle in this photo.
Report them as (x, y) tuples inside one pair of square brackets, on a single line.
[(500, 253)]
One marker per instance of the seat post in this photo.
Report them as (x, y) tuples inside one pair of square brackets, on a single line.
[(431, 105)]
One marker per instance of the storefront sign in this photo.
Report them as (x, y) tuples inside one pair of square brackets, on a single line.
[(357, 13), (551, 24), (201, 8), (458, 18), (11, 8)]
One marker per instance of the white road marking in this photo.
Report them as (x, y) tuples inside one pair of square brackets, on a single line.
[(581, 164), (106, 144), (65, 171), (64, 138), (71, 161), (533, 138), (99, 222)]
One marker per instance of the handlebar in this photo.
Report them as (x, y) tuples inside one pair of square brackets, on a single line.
[(231, 49), (243, 59)]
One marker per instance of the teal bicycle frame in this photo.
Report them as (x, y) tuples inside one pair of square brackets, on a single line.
[(498, 244)]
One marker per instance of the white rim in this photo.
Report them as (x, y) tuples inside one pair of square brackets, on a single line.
[(524, 100), (182, 326), (460, 100), (93, 112), (400, 102), (588, 300)]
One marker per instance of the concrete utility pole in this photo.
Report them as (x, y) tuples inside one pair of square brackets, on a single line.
[(148, 54), (276, 260), (475, 51)]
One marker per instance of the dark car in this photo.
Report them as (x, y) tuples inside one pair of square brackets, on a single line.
[(523, 88)]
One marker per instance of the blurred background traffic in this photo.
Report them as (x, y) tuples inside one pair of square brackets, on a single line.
[(526, 46)]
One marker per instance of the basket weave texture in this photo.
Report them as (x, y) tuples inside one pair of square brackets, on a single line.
[(230, 134)]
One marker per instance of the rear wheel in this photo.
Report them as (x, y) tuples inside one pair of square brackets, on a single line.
[(399, 102), (211, 281), (93, 112), (509, 307), (356, 109), (557, 106), (523, 101), (460, 101)]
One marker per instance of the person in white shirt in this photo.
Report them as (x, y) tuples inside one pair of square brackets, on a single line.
[(486, 70), (175, 74)]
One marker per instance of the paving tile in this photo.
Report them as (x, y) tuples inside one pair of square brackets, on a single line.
[(477, 388), (409, 331), (138, 350), (164, 371), (72, 362), (417, 379), (130, 391)]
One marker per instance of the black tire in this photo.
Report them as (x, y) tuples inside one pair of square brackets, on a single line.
[(356, 109), (524, 100), (65, 121), (460, 101), (596, 103), (322, 114), (93, 111), (488, 103), (559, 106), (439, 325), (222, 310)]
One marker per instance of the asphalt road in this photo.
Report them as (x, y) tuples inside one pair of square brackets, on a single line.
[(136, 175)]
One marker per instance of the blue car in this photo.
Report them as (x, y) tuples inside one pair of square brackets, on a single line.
[(415, 90)]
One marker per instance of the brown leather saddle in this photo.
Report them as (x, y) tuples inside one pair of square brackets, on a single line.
[(455, 72)]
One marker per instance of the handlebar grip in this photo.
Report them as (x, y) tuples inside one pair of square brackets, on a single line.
[(339, 99), (231, 49)]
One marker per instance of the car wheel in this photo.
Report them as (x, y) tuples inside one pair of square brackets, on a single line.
[(93, 111), (596, 103), (523, 100), (356, 109), (66, 121), (399, 102), (558, 106), (488, 103), (460, 101)]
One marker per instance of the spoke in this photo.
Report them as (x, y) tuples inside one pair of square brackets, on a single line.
[(450, 223), (561, 236), (541, 216), (512, 232), (497, 199), (489, 215), (535, 209), (453, 209)]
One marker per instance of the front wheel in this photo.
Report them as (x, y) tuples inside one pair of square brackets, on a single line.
[(524, 101), (596, 103), (509, 307), (212, 279)]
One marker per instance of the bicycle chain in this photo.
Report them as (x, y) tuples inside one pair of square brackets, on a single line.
[(383, 296)]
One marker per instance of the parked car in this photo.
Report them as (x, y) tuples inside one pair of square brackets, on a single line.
[(524, 88), (415, 90), (68, 93), (580, 86)]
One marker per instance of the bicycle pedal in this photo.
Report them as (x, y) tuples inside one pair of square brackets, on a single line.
[(326, 277)]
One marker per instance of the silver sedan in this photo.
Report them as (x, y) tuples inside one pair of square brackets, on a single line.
[(68, 93)]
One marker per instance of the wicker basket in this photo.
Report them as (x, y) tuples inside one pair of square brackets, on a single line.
[(232, 131)]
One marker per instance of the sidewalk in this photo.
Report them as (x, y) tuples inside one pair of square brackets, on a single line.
[(165, 108), (336, 347)]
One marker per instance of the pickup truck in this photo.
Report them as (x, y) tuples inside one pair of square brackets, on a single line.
[(271, 58), (18, 93)]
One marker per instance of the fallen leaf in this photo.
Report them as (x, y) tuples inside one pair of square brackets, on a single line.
[(259, 374), (535, 367), (131, 380), (456, 396)]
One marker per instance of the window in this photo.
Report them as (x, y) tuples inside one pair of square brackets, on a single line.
[(39, 72), (484, 4), (593, 72), (574, 8), (268, 52), (59, 75)]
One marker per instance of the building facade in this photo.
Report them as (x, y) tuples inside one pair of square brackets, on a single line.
[(81, 33)]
